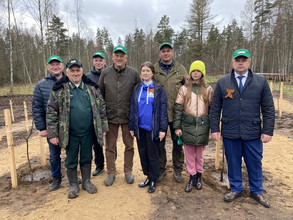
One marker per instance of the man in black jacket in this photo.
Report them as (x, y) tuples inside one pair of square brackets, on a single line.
[(99, 64), (39, 104), (243, 96)]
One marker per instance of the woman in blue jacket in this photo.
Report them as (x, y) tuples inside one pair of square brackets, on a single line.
[(148, 122)]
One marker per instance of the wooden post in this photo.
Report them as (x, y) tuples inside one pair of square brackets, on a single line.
[(12, 115), (10, 147), (217, 160), (43, 157), (271, 86), (26, 118), (281, 99)]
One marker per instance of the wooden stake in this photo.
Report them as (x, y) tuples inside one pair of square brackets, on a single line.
[(228, 182), (11, 108), (43, 157), (26, 118), (10, 147), (271, 86), (217, 160), (281, 100)]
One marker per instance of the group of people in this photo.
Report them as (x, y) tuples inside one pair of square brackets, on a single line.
[(75, 111)]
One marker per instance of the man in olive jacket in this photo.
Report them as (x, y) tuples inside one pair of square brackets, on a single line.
[(171, 75), (116, 85)]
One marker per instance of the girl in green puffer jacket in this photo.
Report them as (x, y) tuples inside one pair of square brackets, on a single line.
[(191, 121)]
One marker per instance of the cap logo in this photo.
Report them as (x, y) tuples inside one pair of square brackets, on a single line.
[(53, 58), (73, 61), (241, 52), (119, 48)]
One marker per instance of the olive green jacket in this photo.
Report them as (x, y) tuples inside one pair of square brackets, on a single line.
[(116, 88), (171, 82), (58, 111)]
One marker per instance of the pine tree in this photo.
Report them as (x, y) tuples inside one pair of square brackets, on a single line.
[(165, 31)]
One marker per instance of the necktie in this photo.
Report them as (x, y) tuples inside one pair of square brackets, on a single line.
[(240, 84)]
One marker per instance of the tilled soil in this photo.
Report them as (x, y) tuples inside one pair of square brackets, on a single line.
[(33, 200)]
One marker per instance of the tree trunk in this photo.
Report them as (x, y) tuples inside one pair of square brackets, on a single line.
[(10, 48)]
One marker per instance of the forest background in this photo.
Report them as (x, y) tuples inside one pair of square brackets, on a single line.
[(265, 29)]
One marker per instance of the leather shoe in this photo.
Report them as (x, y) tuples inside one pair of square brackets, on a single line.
[(229, 197), (152, 187), (98, 171), (145, 183), (260, 199)]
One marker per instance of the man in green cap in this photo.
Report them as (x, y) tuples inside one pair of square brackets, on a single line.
[(172, 76), (116, 84), (99, 64), (76, 112), (39, 104), (248, 118)]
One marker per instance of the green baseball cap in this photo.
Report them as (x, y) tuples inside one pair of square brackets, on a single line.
[(73, 62), (100, 54), (166, 44), (120, 48), (241, 52), (54, 58)]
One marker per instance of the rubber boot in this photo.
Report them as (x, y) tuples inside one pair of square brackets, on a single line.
[(191, 183), (86, 176), (74, 186), (152, 187), (198, 184)]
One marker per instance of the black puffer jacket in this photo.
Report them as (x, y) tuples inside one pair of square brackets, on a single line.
[(241, 116), (40, 100)]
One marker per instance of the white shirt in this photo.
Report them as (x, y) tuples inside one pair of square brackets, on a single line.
[(243, 79)]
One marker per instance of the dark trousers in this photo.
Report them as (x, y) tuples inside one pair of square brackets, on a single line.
[(177, 152), (99, 155), (251, 151), (55, 160), (81, 145), (149, 153), (111, 141)]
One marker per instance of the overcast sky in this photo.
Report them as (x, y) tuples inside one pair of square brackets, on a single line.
[(119, 16)]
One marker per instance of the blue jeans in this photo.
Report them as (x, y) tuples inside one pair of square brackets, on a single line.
[(55, 160)]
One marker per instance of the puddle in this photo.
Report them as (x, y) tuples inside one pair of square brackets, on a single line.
[(218, 177), (38, 175)]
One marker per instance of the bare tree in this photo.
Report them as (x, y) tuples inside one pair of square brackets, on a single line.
[(10, 48)]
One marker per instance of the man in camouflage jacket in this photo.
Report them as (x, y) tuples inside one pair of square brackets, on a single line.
[(75, 111)]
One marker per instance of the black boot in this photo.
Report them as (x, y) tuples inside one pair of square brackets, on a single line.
[(145, 183), (198, 184), (72, 178), (152, 187), (56, 183), (86, 176), (190, 184)]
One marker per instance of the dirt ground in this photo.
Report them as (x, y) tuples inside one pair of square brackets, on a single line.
[(33, 200)]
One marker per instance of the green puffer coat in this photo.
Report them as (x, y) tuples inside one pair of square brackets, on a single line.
[(171, 83), (193, 118), (58, 111)]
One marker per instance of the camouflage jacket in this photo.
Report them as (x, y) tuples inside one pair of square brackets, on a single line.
[(58, 110)]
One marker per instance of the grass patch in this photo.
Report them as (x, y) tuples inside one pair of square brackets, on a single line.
[(210, 79), (17, 89)]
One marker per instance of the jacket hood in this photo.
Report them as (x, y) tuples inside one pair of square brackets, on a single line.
[(59, 84)]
